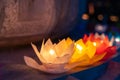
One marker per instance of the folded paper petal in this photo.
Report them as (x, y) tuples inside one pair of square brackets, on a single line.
[(69, 41), (65, 58), (49, 68), (80, 50), (97, 58), (31, 62), (40, 57), (110, 51), (65, 55), (101, 48), (91, 49), (86, 61)]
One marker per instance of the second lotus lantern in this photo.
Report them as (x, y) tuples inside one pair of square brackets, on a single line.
[(93, 48)]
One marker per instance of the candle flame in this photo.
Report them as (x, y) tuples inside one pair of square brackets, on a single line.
[(94, 43), (52, 52), (79, 47)]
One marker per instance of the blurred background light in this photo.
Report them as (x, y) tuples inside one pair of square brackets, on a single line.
[(114, 18), (100, 28), (85, 16), (100, 17)]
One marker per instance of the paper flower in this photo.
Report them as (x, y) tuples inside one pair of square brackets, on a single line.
[(67, 54), (54, 57), (93, 48), (102, 43)]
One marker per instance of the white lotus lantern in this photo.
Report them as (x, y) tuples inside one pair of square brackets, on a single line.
[(54, 57)]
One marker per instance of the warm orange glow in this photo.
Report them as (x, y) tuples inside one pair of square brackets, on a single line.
[(100, 17), (101, 41), (85, 17), (91, 8), (114, 18)]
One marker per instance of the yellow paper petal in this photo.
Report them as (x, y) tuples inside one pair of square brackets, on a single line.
[(69, 41), (81, 43), (91, 49), (84, 61), (88, 62), (96, 58), (80, 50)]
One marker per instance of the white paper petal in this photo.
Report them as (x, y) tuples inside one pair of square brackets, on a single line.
[(31, 62), (71, 66), (96, 35), (42, 47), (61, 47), (67, 55), (48, 43), (64, 59), (102, 36), (41, 58), (111, 41), (49, 68)]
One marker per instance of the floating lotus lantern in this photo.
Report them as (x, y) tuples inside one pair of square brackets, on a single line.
[(67, 54), (103, 44), (54, 57), (93, 48)]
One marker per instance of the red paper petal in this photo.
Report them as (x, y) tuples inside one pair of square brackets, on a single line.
[(91, 37), (110, 52), (101, 48), (106, 40), (85, 38)]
